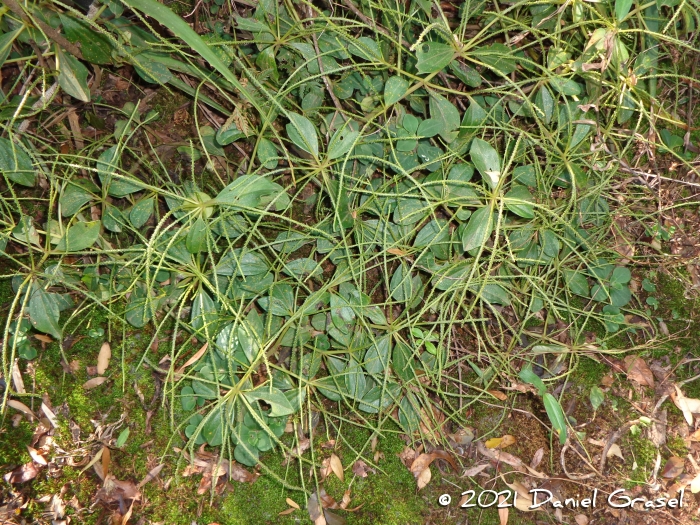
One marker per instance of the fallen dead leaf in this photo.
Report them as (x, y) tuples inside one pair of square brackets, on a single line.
[(637, 370), (288, 511), (196, 357), (153, 474), (525, 498), (695, 484), (500, 442), (18, 405), (23, 473), (407, 456), (43, 338), (103, 358), (420, 468), (463, 436), (615, 450), (94, 382), (674, 467), (498, 394), (581, 519), (686, 405), (337, 467), (106, 460), (502, 511), (115, 491), (41, 460), (361, 469), (537, 458), (473, 471), (293, 503), (297, 451)]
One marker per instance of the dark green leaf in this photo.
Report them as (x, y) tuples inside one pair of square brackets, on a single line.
[(44, 313), (394, 89), (303, 133), (556, 415), (487, 161), (279, 404), (80, 236), (433, 57), (72, 75), (478, 230), (15, 163)]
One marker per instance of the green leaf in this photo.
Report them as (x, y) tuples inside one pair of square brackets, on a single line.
[(403, 285), (204, 315), (394, 89), (444, 112), (556, 415), (267, 153), (487, 161), (213, 430), (6, 41), (107, 165), (75, 195), (302, 268), (279, 404), (141, 212), (497, 57), (252, 191), (597, 397), (433, 57), (79, 236), (241, 263), (429, 128), (622, 8), (577, 283), (527, 375), (365, 47), (303, 133), (377, 356), (95, 47), (123, 436), (355, 381), (196, 239), (246, 454), (72, 75), (342, 141), (15, 163), (621, 275), (187, 399), (517, 200), (467, 74), (478, 230), (44, 313)]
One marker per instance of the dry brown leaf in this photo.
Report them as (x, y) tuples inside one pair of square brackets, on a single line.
[(18, 405), (151, 475), (36, 456), (397, 251), (330, 444), (127, 516), (473, 471), (498, 394), (106, 458), (325, 468), (695, 484), (94, 382), (337, 467), (674, 467), (581, 519), (407, 456), (463, 436), (315, 510), (43, 338), (423, 477), (361, 469), (297, 451), (17, 378), (114, 490), (537, 458), (293, 503), (288, 511), (23, 473), (103, 358), (502, 511), (525, 498), (637, 370), (192, 360)]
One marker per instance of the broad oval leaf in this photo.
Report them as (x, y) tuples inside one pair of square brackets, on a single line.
[(556, 415), (303, 133), (478, 230), (79, 236), (44, 312), (342, 141), (72, 76), (433, 57), (15, 163), (394, 89), (487, 161), (518, 201), (279, 404)]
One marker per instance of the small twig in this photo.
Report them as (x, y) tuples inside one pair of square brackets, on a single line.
[(574, 476)]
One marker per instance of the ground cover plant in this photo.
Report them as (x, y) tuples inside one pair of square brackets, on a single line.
[(323, 219)]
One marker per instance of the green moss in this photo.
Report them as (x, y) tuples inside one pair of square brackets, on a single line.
[(677, 446)]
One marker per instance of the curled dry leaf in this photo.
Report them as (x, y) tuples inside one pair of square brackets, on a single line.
[(151, 475), (94, 382), (615, 450), (674, 467), (637, 370), (36, 456), (103, 358), (420, 468), (686, 405), (192, 360), (23, 473), (463, 436), (18, 405), (361, 469), (407, 456), (502, 511), (525, 498), (498, 394)]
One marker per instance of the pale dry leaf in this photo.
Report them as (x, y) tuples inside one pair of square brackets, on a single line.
[(17, 378), (407, 456), (127, 516), (292, 503), (615, 450), (525, 498), (153, 473), (361, 469), (36, 456), (499, 455), (688, 406), (23, 473), (325, 469), (94, 382), (537, 458), (502, 511), (423, 478), (288, 511), (337, 467), (315, 510), (581, 519), (18, 405), (674, 467), (637, 370), (463, 436), (498, 395), (695, 484), (196, 357), (473, 471), (43, 338), (106, 459), (596, 442), (49, 414), (103, 358)]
